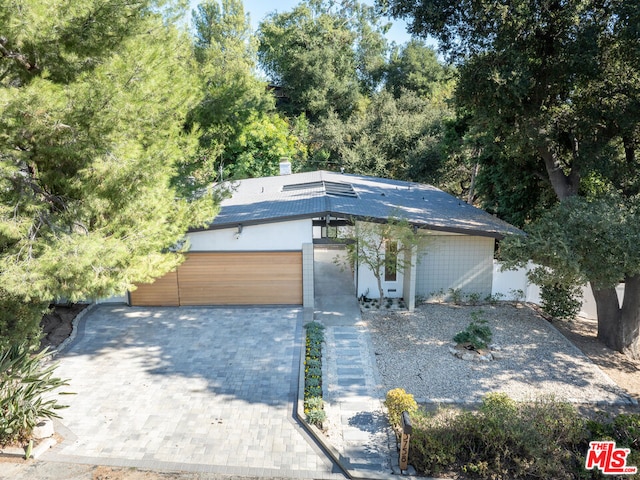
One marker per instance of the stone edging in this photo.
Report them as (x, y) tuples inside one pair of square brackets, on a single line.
[(74, 330), (39, 449), (312, 429), (315, 432), (47, 443)]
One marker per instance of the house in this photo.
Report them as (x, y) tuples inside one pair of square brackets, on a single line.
[(259, 248)]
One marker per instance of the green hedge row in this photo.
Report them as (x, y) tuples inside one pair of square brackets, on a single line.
[(313, 403), (504, 439)]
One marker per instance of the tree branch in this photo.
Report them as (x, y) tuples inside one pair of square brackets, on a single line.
[(564, 186), (20, 58)]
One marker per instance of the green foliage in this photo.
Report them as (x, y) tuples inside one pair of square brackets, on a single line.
[(313, 403), (241, 134), (415, 67), (477, 334), (455, 294), (434, 441), (25, 380), (316, 416), (312, 381), (398, 401), (624, 429), (474, 298), (561, 301), (313, 391), (536, 79), (502, 439), (493, 299), (93, 100), (388, 137), (370, 247), (314, 371), (558, 241), (19, 320), (325, 58)]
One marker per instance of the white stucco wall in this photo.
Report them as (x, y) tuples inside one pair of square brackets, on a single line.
[(368, 285), (509, 284), (506, 283), (366, 282), (270, 236)]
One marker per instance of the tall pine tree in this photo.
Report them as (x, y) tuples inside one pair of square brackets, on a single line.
[(93, 99)]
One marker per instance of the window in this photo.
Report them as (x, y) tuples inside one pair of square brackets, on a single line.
[(390, 261)]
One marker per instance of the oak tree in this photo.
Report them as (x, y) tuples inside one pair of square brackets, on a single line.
[(557, 81)]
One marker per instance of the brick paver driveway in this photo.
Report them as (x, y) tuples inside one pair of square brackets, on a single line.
[(199, 389)]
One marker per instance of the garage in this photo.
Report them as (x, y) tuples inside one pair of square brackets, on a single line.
[(227, 278)]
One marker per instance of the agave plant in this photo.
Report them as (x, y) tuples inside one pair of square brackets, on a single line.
[(25, 378)]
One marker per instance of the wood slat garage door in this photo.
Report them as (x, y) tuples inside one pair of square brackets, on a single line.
[(163, 292), (234, 278)]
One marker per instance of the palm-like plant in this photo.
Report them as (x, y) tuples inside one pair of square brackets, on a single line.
[(25, 378)]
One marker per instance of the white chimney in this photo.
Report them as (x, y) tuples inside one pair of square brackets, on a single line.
[(285, 166)]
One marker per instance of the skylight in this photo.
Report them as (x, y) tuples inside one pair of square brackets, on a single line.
[(335, 189)]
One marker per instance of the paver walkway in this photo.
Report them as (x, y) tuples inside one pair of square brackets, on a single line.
[(358, 428), (193, 389)]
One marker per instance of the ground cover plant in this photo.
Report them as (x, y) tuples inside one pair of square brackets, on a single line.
[(477, 334), (24, 381), (313, 403), (504, 439)]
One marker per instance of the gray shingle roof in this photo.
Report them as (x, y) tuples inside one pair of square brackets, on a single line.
[(320, 193)]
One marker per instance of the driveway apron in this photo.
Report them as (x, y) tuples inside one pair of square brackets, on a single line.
[(195, 389)]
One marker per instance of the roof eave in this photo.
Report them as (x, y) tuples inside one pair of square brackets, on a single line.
[(289, 218)]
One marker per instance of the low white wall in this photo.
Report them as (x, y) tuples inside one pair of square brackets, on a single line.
[(509, 283), (514, 285), (269, 236)]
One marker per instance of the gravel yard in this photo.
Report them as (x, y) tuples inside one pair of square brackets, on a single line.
[(412, 352)]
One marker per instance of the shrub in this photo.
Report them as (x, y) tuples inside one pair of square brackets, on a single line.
[(477, 334), (626, 430), (316, 416), (313, 363), (398, 401), (494, 299), (313, 404), (23, 382), (561, 301), (503, 439), (19, 321), (314, 371), (474, 298), (434, 441), (455, 295)]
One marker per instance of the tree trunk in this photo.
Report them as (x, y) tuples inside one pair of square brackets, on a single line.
[(609, 317), (564, 185), (380, 289), (474, 174), (630, 321), (619, 328)]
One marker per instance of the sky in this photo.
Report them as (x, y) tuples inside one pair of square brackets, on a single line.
[(258, 9)]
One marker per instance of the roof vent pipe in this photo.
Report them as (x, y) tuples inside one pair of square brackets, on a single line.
[(285, 166)]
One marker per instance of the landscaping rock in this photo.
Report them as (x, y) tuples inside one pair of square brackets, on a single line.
[(44, 429)]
